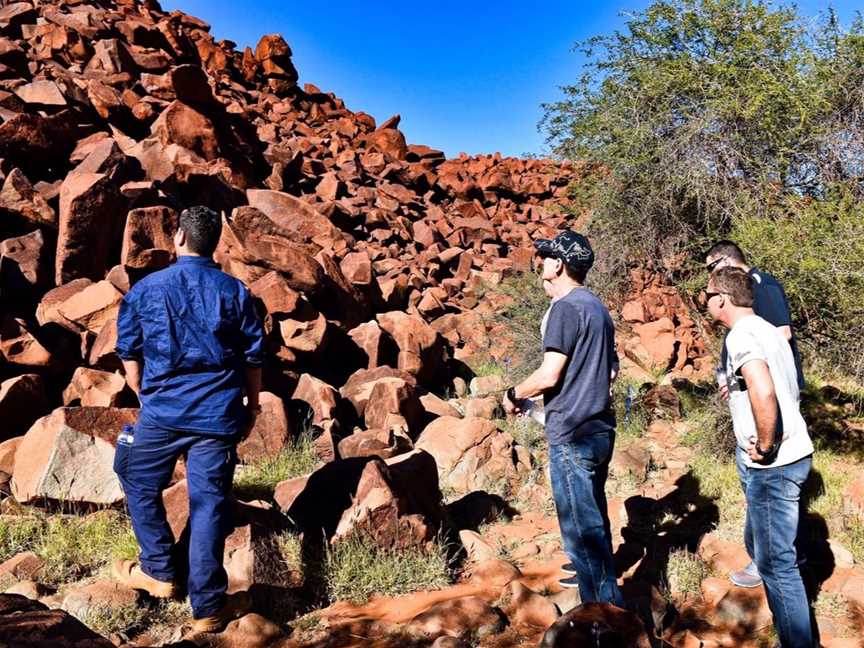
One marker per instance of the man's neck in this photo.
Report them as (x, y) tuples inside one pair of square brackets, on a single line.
[(562, 286), (738, 314)]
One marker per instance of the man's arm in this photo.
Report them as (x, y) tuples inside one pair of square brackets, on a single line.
[(786, 332), (132, 368), (252, 332), (763, 401), (544, 377), (130, 342), (253, 386)]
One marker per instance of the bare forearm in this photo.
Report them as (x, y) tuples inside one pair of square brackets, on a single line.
[(253, 385), (534, 385), (764, 405), (132, 369)]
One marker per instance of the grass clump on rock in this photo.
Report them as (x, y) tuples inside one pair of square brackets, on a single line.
[(685, 572), (71, 546), (109, 619), (259, 479), (355, 568)]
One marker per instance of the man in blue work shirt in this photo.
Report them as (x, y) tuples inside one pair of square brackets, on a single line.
[(191, 344), (769, 303)]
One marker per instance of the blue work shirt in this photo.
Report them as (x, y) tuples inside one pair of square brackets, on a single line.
[(195, 329)]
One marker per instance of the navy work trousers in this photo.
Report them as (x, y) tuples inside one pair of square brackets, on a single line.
[(144, 462)]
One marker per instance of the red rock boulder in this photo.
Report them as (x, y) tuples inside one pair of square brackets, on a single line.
[(397, 502), (472, 453), (29, 623), (91, 218), (270, 434), (69, 456), (582, 625), (148, 238)]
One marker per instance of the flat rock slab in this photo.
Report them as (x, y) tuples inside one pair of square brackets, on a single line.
[(69, 456)]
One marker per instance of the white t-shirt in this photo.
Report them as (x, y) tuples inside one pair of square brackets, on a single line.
[(752, 338)]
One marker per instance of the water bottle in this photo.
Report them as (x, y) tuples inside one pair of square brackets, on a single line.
[(628, 402)]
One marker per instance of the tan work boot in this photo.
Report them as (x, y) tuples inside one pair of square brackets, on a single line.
[(130, 574), (236, 605)]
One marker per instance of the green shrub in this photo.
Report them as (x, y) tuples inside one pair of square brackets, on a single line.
[(487, 366), (522, 318), (109, 619), (719, 481), (18, 533), (707, 119), (816, 249), (355, 569), (525, 431), (630, 425)]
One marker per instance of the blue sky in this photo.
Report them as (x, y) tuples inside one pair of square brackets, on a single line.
[(465, 76)]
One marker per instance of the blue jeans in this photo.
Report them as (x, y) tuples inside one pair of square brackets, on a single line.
[(144, 467), (579, 471), (773, 513)]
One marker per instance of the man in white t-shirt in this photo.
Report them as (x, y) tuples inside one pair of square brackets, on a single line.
[(774, 445)]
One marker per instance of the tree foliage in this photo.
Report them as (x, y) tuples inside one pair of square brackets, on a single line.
[(714, 118)]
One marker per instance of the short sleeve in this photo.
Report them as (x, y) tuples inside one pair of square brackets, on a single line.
[(251, 329), (742, 347), (130, 336), (562, 329), (770, 304)]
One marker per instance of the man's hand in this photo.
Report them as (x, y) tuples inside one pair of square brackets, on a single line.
[(724, 392), (752, 452), (509, 406), (252, 413), (132, 369)]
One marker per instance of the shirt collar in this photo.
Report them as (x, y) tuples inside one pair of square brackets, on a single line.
[(195, 260)]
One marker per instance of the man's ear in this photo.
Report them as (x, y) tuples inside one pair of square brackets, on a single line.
[(179, 237), (559, 266)]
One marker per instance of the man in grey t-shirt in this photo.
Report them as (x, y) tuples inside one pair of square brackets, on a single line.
[(579, 363)]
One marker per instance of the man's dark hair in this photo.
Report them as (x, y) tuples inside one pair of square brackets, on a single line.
[(577, 274), (735, 283), (728, 249), (202, 227)]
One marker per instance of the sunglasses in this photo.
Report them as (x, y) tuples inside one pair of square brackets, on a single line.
[(710, 295), (711, 266)]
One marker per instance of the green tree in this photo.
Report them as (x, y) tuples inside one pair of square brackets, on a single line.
[(704, 118)]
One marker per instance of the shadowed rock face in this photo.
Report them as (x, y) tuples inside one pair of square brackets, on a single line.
[(596, 624), (29, 623)]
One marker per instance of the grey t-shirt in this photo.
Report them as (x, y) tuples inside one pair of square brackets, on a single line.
[(579, 326)]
